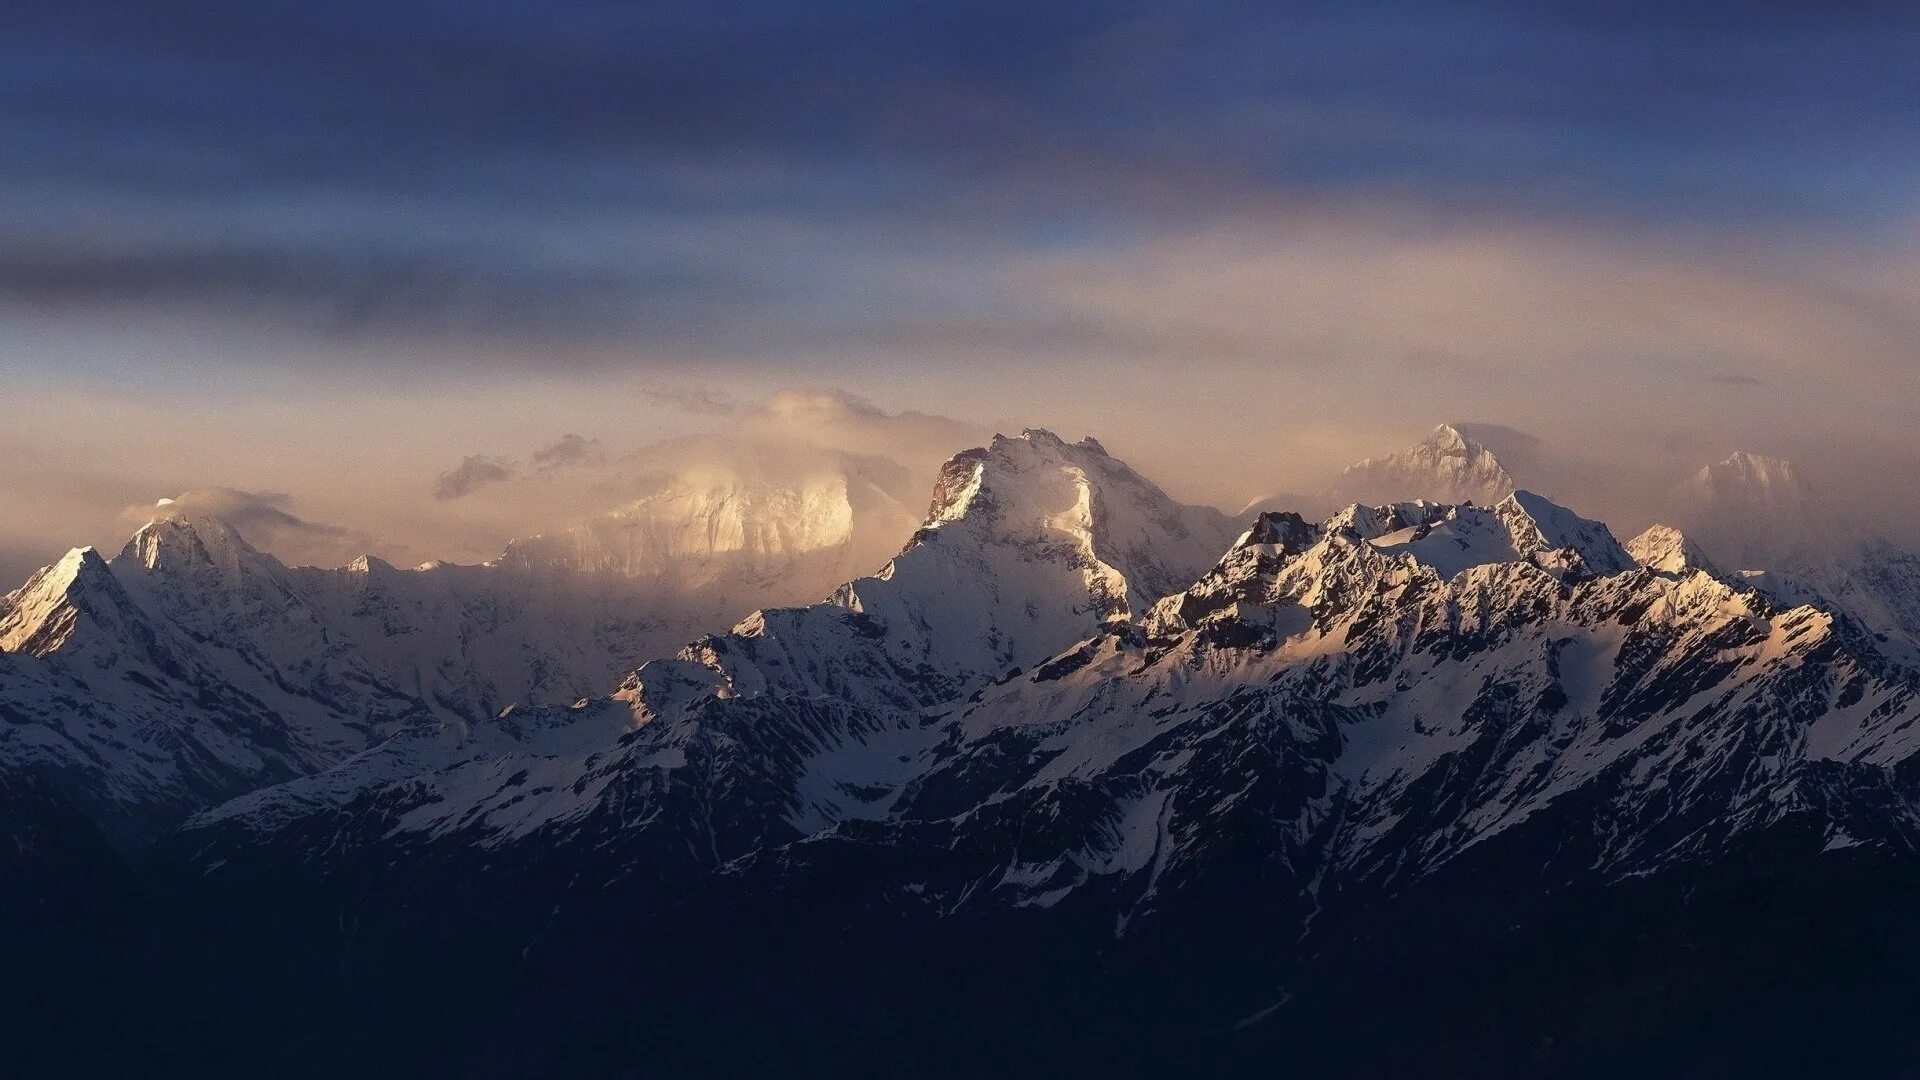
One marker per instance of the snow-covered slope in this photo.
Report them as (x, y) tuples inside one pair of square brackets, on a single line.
[(1072, 720), (1371, 714), (1447, 466), (1351, 705), (1068, 692), (192, 667), (130, 716), (1030, 545)]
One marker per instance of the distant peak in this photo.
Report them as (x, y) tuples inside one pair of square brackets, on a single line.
[(1751, 510), (177, 541), (1447, 466), (1751, 483), (1757, 470)]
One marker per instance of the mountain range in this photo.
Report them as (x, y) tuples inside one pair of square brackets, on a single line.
[(1081, 780)]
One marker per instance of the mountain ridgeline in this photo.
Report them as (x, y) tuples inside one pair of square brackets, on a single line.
[(1082, 781)]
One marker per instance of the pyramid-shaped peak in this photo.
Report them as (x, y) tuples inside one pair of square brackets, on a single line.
[(175, 539), (75, 570), (38, 617), (193, 551), (369, 564), (1538, 524), (1448, 466)]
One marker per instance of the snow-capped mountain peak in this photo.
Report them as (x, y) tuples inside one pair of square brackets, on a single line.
[(197, 552), (1558, 537), (1136, 543), (1751, 509), (1749, 475), (1030, 544), (1449, 466), (1449, 440), (1522, 526), (1018, 716), (40, 616)]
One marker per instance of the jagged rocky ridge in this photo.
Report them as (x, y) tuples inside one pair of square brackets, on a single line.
[(1062, 715), (1363, 659), (1371, 696), (191, 668), (1030, 545)]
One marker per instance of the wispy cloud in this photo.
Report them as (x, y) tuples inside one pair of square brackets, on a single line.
[(697, 401)]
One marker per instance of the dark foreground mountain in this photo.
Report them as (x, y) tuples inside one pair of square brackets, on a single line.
[(1440, 788)]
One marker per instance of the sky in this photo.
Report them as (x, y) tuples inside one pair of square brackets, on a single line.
[(315, 257)]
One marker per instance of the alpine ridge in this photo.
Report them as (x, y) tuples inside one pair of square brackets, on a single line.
[(1198, 784), (191, 667)]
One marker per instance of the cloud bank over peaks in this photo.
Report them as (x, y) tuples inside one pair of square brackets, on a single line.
[(265, 520), (831, 419)]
